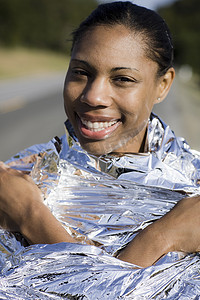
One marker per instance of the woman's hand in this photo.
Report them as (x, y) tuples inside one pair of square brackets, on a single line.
[(22, 209), (178, 230)]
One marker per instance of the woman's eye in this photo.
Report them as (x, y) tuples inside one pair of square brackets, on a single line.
[(124, 79), (78, 75), (79, 72)]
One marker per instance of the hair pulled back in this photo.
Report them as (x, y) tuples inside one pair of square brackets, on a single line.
[(152, 28)]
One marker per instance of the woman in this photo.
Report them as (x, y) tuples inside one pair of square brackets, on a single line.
[(121, 65)]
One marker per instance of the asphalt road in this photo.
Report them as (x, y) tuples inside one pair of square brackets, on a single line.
[(31, 112), (30, 117), (181, 110)]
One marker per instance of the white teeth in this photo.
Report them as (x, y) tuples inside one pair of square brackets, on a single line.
[(97, 126)]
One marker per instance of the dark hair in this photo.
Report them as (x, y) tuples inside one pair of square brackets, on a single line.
[(146, 22)]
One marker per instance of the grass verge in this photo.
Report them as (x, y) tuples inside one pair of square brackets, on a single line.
[(20, 62)]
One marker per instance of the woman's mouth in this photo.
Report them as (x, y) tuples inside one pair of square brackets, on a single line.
[(97, 129), (97, 126)]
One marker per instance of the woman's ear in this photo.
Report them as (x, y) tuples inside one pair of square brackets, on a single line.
[(165, 84)]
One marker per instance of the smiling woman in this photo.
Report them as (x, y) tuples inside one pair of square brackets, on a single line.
[(120, 67), (125, 60), (99, 78)]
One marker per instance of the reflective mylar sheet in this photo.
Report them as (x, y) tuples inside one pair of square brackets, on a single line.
[(103, 202)]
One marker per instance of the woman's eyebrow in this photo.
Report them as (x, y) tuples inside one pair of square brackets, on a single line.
[(80, 61), (124, 68), (112, 70)]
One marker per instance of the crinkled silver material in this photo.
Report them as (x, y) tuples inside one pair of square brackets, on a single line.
[(103, 202)]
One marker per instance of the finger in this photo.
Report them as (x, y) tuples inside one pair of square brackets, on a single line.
[(28, 178), (3, 166), (14, 172), (4, 169), (7, 171), (21, 174)]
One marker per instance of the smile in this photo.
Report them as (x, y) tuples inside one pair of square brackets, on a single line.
[(97, 126), (97, 130)]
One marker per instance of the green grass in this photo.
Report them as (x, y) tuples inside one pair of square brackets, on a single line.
[(20, 62)]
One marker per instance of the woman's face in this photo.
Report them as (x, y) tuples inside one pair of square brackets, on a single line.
[(110, 90)]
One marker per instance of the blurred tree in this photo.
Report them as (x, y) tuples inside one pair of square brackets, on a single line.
[(183, 18), (41, 23)]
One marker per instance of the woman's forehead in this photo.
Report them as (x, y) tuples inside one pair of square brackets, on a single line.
[(105, 39), (114, 46), (109, 33)]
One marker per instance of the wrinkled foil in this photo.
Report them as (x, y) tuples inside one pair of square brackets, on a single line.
[(103, 202)]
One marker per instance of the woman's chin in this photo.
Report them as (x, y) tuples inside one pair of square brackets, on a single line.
[(102, 147), (96, 148)]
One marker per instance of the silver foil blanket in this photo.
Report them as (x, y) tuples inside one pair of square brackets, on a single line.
[(103, 211)]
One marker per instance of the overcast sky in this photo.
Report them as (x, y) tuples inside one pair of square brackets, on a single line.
[(152, 4)]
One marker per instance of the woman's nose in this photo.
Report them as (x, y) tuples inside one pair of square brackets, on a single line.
[(97, 93)]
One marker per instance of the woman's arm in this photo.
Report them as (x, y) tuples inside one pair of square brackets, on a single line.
[(22, 210), (178, 230)]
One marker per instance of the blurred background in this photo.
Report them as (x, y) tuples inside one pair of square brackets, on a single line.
[(34, 55)]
